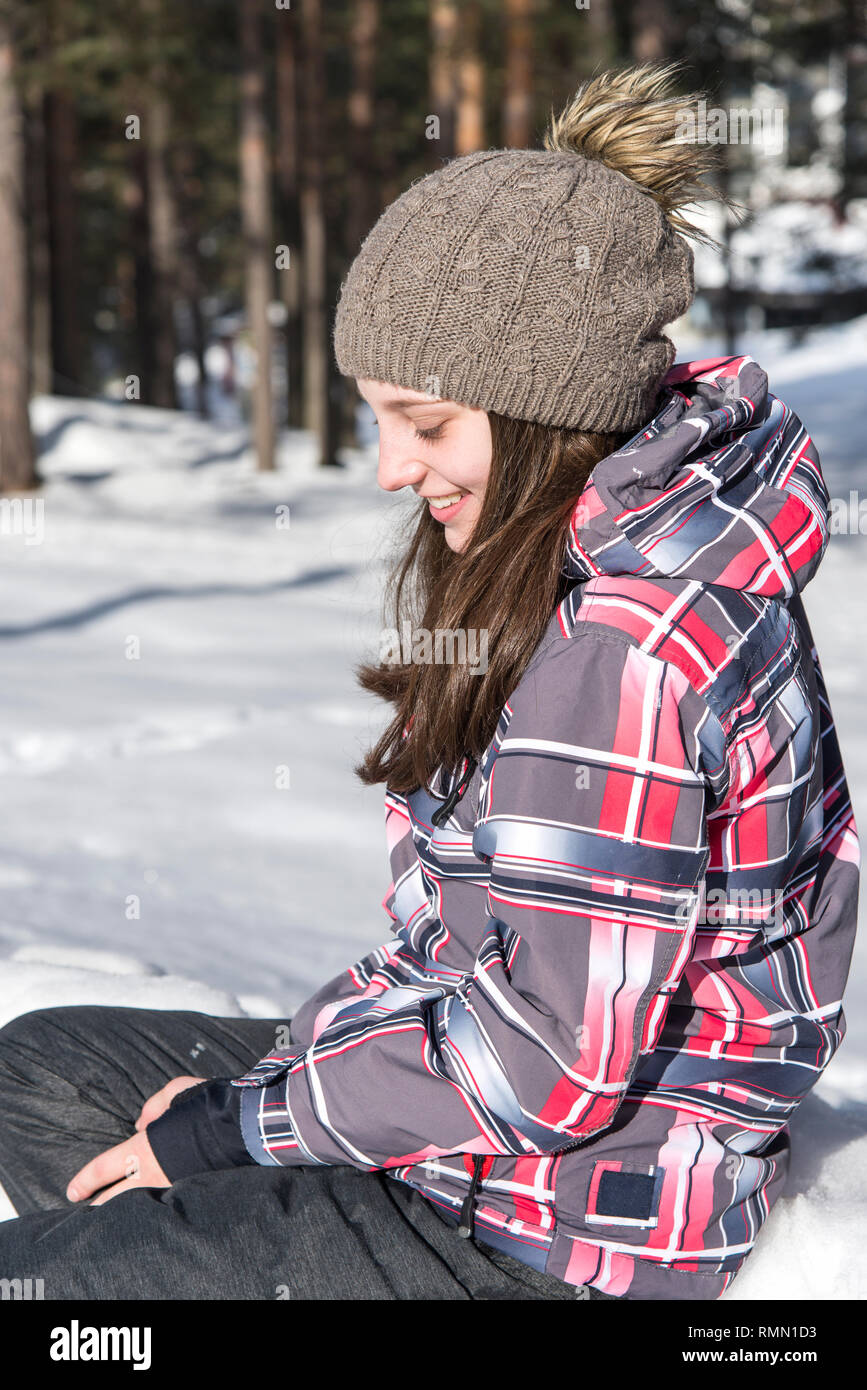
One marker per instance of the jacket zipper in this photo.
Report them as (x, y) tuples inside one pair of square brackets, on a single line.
[(465, 1229), (441, 815)]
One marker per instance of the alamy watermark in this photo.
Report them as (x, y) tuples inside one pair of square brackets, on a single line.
[(77, 1343), (737, 125), (23, 516), (763, 907), (445, 646), (22, 1290), (848, 517)]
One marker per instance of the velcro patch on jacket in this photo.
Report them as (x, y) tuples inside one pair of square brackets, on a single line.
[(624, 1194)]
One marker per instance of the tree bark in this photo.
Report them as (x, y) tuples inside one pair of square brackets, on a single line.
[(62, 165), (651, 31), (163, 245), (602, 45), (728, 319), (136, 275), (319, 414), (443, 72), (365, 21), (190, 264), (289, 278), (470, 124), (363, 181), (17, 463), (854, 45), (518, 93), (39, 250), (256, 224)]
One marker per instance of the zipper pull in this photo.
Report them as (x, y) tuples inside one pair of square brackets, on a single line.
[(465, 1229), (441, 815)]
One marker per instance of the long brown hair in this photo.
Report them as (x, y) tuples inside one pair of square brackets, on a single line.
[(506, 583)]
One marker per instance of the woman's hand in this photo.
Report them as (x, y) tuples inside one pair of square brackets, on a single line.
[(132, 1163), (161, 1100), (128, 1165)]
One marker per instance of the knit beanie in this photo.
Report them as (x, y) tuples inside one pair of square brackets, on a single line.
[(536, 283)]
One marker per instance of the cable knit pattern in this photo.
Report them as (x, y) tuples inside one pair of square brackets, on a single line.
[(532, 283)]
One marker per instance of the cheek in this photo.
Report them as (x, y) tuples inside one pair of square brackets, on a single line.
[(480, 480), (475, 451)]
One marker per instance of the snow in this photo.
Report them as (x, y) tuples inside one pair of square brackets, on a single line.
[(181, 827), (38, 977), (812, 1244), (794, 246)]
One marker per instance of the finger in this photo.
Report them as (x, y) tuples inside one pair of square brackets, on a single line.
[(156, 1104), (125, 1186), (94, 1175), (151, 1109), (119, 1162)]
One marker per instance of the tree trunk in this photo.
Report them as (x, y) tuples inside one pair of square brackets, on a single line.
[(256, 224), (443, 72), (137, 275), (163, 247), (62, 164), (518, 93), (854, 47), (602, 46), (470, 124), (728, 319), (363, 180), (17, 465), (190, 265), (39, 263), (318, 412), (289, 277), (651, 31), (361, 172)]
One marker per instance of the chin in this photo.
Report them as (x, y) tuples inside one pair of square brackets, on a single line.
[(457, 541)]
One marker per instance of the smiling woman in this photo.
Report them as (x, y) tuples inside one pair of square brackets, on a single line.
[(491, 563), (441, 449), (559, 1075)]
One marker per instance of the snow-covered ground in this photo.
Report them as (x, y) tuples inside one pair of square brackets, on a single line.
[(181, 827), (793, 246)]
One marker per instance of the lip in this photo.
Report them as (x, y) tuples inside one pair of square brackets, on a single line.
[(446, 513)]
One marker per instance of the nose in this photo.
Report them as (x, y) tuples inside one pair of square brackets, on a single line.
[(397, 466)]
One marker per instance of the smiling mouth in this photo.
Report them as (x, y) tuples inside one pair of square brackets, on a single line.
[(448, 499)]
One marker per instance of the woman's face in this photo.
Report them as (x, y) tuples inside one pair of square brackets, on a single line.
[(440, 449)]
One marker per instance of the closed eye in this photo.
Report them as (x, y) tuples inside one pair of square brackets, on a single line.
[(433, 433)]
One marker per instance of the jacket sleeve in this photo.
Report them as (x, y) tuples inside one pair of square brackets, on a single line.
[(200, 1131), (592, 828)]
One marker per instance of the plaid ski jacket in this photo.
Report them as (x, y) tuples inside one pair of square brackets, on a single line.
[(616, 966)]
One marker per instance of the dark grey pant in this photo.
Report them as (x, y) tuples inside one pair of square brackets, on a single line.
[(72, 1083)]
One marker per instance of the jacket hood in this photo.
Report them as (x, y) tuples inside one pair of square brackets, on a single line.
[(723, 486)]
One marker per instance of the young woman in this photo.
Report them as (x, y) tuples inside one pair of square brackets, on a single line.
[(623, 856)]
